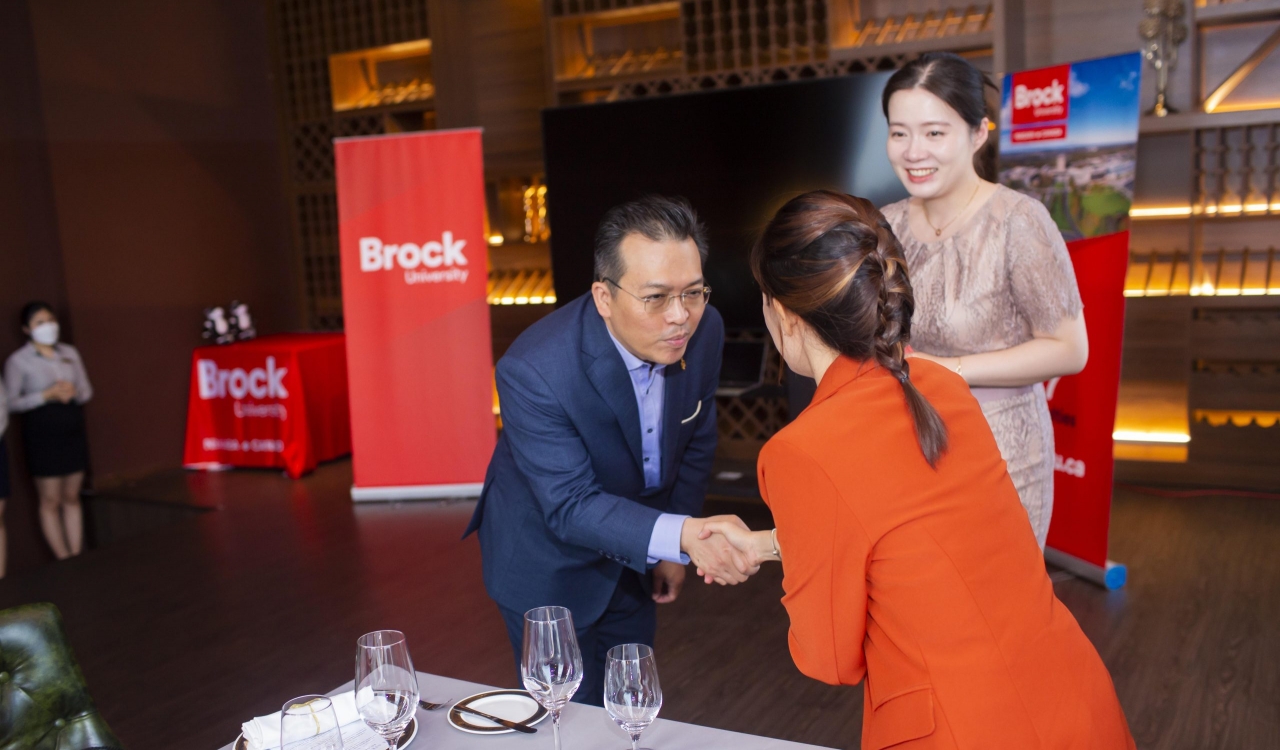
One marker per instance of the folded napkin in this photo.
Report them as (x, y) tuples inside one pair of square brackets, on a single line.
[(263, 732)]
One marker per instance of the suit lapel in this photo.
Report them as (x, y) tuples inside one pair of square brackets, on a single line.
[(673, 404), (608, 375)]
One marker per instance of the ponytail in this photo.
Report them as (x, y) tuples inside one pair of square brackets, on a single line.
[(833, 260)]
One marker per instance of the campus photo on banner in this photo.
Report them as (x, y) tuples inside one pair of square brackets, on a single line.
[(414, 277), (1068, 137)]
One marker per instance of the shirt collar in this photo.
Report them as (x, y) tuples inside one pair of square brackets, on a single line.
[(32, 351), (630, 360)]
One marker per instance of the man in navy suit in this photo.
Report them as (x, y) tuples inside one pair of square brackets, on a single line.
[(609, 429)]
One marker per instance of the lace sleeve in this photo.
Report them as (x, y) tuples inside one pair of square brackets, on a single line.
[(1041, 276)]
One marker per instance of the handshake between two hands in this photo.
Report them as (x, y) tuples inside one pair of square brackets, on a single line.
[(724, 549)]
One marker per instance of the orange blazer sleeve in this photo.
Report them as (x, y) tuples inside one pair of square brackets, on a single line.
[(824, 560)]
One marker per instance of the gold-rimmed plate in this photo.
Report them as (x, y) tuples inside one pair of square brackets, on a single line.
[(410, 732), (512, 705)]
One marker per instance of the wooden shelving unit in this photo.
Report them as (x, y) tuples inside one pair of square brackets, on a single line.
[(1203, 276), (592, 46), (1215, 11), (1188, 121), (606, 50), (961, 28)]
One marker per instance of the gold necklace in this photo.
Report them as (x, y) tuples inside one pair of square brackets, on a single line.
[(937, 231)]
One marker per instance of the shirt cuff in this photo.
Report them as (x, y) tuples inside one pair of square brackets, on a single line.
[(664, 542)]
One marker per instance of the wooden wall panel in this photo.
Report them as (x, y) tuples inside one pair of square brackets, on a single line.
[(491, 72), (163, 153)]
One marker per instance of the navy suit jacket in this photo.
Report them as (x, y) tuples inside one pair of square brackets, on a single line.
[(564, 507)]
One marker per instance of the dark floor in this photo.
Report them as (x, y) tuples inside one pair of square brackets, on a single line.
[(186, 631)]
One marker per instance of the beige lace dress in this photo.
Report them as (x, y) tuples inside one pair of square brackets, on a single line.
[(1003, 275)]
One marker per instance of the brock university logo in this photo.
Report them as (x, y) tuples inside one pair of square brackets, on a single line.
[(428, 263), (259, 382), (1041, 96)]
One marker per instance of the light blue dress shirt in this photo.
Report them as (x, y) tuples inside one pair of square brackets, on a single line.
[(649, 381)]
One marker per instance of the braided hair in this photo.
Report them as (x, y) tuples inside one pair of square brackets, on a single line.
[(832, 259)]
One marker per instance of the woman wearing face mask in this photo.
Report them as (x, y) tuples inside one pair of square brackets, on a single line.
[(996, 297), (47, 384), (906, 556)]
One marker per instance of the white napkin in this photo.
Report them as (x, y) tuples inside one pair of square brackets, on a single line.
[(263, 732)]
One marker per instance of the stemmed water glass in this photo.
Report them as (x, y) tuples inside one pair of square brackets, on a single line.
[(310, 722), (632, 694), (551, 665), (386, 685)]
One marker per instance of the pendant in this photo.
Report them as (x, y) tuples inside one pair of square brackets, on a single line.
[(937, 233)]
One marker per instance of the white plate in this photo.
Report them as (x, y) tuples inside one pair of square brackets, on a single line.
[(512, 705), (410, 732)]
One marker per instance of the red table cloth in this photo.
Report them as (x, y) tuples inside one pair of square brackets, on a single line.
[(276, 401)]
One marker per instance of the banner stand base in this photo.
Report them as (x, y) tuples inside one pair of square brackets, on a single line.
[(1111, 577), (416, 492)]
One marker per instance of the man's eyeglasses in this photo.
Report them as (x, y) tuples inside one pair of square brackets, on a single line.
[(693, 300)]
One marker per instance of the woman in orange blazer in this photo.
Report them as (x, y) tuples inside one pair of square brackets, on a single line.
[(907, 556)]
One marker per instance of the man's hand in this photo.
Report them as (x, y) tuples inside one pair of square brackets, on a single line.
[(716, 558), (668, 579), (756, 546)]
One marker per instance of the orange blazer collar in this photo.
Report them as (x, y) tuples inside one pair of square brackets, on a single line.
[(841, 373)]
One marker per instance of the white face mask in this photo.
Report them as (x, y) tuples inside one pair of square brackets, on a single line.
[(45, 333)]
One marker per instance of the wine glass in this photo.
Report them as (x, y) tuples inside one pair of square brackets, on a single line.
[(311, 722), (551, 666), (386, 685), (632, 695)]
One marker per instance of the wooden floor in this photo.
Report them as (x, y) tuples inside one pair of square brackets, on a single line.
[(185, 632)]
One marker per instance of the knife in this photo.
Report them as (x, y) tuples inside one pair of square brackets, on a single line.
[(502, 722)]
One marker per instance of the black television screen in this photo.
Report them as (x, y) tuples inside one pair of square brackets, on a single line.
[(736, 154)]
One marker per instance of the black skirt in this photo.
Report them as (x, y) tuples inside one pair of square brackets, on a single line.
[(55, 440), (4, 468)]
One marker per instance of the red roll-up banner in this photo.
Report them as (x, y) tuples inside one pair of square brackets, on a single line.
[(1083, 407), (1068, 137), (414, 276)]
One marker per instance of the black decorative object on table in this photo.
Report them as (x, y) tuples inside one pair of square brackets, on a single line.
[(216, 326), (224, 325), (241, 322)]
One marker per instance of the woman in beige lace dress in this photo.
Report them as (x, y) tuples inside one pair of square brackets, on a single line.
[(996, 297)]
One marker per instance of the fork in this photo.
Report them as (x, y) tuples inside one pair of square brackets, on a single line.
[(429, 706)]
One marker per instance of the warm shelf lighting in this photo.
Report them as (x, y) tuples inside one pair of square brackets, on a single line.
[(1159, 213), (521, 287), (1136, 436), (496, 240), (1166, 212), (1223, 417)]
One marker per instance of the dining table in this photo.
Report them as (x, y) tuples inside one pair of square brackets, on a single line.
[(581, 728)]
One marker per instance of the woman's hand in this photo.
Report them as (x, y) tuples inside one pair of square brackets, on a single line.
[(61, 391), (951, 363), (1051, 354), (755, 546), (717, 559)]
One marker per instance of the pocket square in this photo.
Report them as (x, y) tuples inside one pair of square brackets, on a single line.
[(691, 417)]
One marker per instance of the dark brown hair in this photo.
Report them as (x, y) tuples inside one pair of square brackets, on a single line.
[(656, 217), (955, 81), (832, 259), (30, 309)]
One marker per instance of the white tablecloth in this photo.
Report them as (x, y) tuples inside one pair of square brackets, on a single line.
[(581, 728)]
